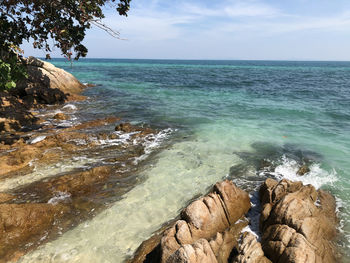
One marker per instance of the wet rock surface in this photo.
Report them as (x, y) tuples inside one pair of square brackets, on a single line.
[(42, 208), (21, 224)]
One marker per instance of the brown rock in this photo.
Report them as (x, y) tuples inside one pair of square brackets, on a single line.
[(95, 123), (46, 84), (206, 230), (14, 114), (20, 223), (304, 169), (61, 116), (298, 223), (48, 75), (128, 128), (4, 197), (198, 252), (249, 250)]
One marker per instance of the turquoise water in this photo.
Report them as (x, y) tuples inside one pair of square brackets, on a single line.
[(226, 117)]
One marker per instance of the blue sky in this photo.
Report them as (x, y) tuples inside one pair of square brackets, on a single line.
[(225, 29)]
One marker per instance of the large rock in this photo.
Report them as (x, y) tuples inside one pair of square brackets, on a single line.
[(298, 223), (46, 84), (22, 223), (207, 230)]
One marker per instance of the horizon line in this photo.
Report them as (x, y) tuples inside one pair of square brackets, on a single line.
[(202, 59)]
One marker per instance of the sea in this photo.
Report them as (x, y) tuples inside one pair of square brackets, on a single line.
[(239, 120)]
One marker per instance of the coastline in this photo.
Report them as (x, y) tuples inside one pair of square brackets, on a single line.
[(79, 138), (60, 171)]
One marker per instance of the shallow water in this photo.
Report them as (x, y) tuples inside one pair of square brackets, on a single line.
[(227, 117)]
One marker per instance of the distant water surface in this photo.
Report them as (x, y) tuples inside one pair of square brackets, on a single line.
[(227, 117)]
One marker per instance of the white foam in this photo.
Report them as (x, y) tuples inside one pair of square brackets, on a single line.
[(36, 139), (59, 198), (316, 176), (254, 216), (69, 107), (151, 142)]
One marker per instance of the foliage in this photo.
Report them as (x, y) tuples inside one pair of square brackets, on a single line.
[(50, 24), (11, 68)]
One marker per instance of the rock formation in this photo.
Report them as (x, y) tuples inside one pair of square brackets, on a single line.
[(46, 84), (298, 223), (206, 231)]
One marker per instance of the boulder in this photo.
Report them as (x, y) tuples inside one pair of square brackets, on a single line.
[(207, 228), (298, 223), (46, 84)]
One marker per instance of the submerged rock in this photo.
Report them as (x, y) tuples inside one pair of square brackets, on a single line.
[(298, 223), (129, 128), (61, 116), (22, 223), (304, 169)]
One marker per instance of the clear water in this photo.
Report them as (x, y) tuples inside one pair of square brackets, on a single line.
[(227, 117)]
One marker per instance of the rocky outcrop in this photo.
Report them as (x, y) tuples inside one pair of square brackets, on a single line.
[(69, 196), (298, 223), (46, 84), (207, 228)]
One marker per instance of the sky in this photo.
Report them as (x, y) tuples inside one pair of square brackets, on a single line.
[(224, 29)]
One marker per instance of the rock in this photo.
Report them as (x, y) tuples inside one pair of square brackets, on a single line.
[(61, 116), (298, 223), (249, 250), (20, 223), (207, 229), (46, 84), (95, 123), (304, 169), (129, 128), (198, 252), (90, 85), (4, 197), (44, 74), (14, 114)]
